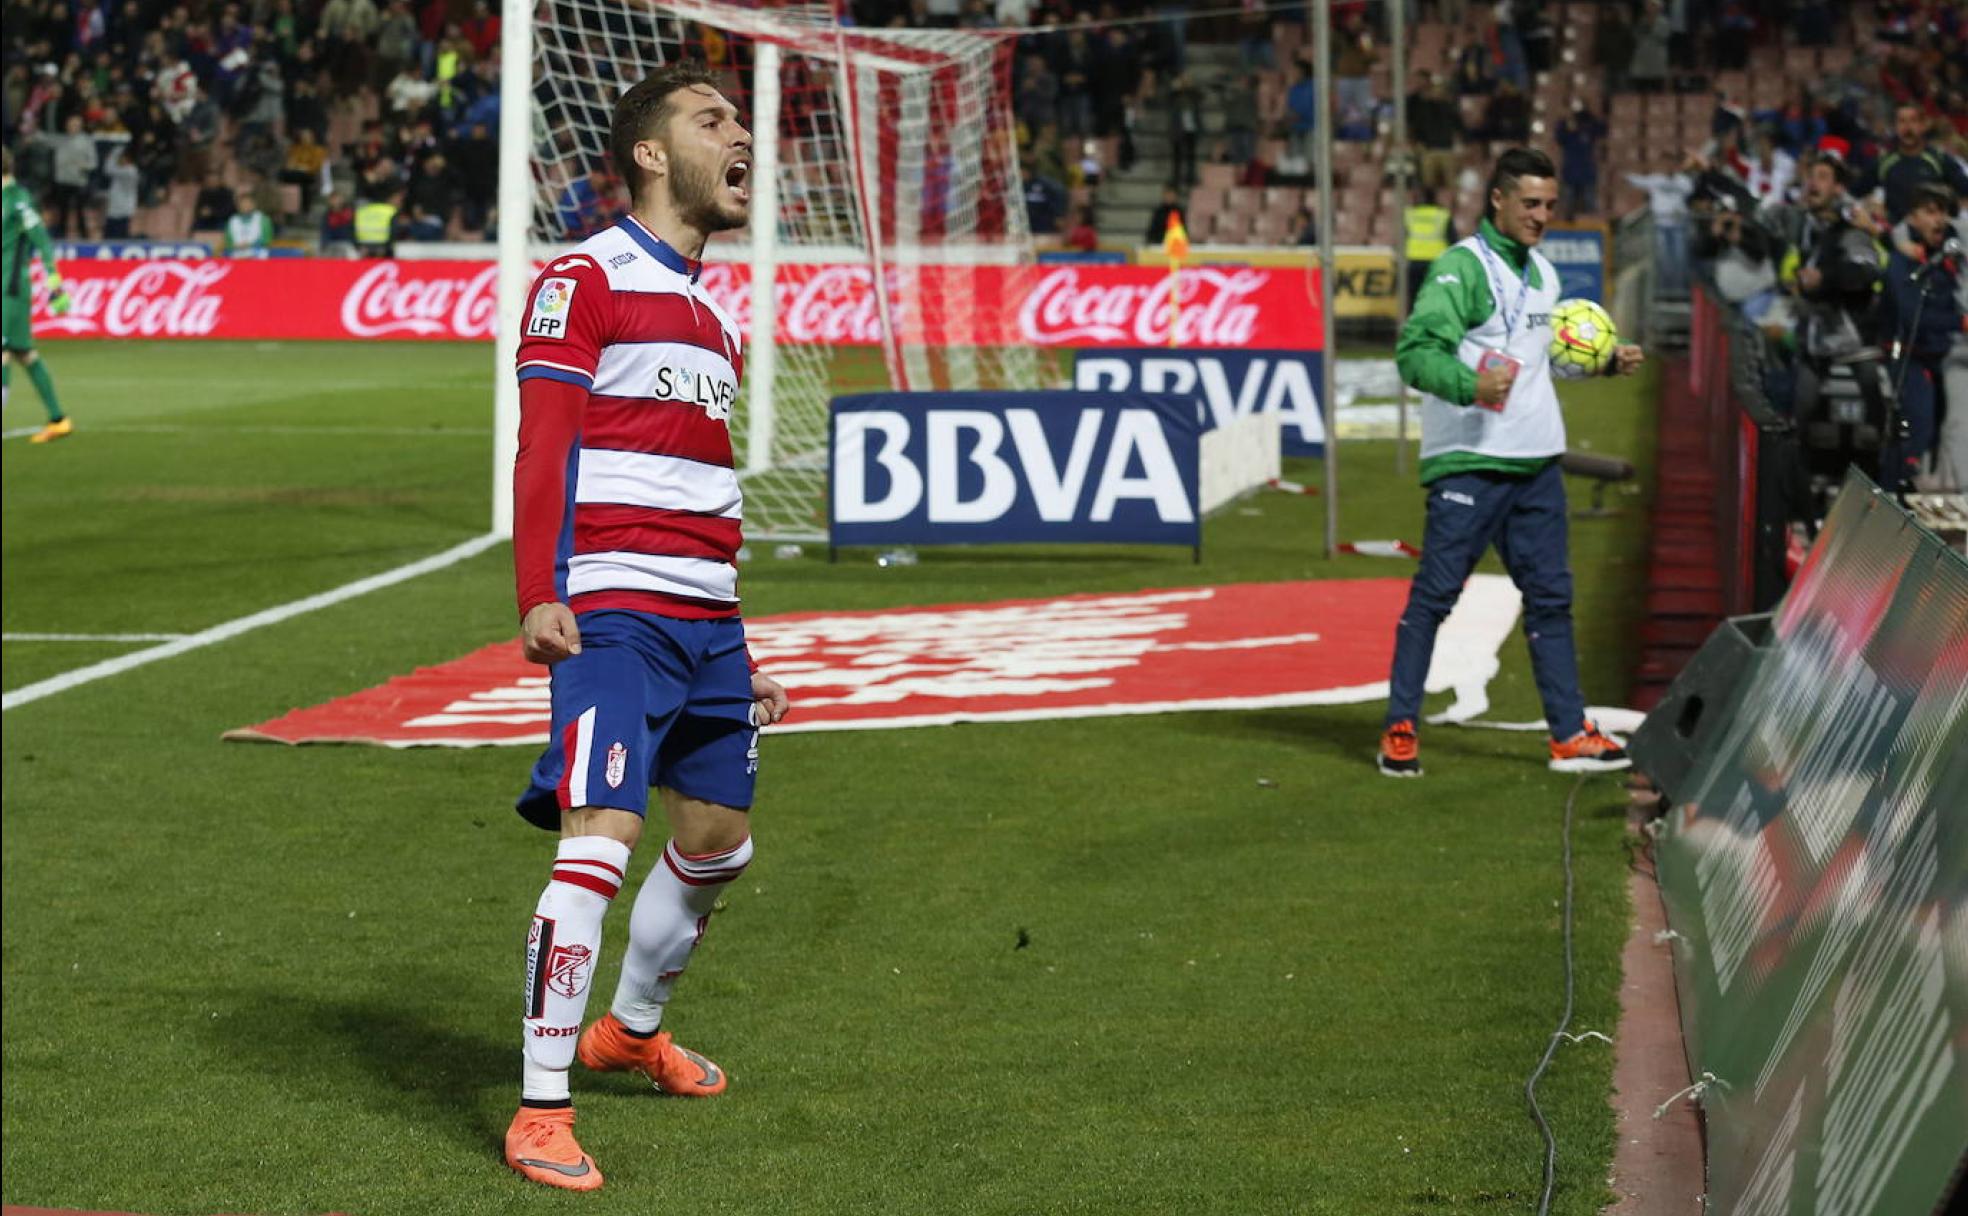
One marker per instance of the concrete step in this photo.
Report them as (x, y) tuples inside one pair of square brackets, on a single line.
[(1134, 191), (1122, 224)]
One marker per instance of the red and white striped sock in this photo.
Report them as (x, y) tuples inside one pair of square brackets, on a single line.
[(666, 924), (561, 952)]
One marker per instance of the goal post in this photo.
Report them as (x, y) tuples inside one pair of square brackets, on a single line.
[(888, 235)]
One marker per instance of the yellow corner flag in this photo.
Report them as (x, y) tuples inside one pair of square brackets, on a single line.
[(1175, 247), (1175, 242)]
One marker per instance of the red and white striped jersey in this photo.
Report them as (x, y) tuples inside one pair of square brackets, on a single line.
[(625, 495)]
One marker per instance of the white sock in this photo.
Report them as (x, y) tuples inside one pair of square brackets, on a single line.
[(561, 951), (666, 924)]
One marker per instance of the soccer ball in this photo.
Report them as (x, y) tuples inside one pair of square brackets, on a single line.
[(1582, 339)]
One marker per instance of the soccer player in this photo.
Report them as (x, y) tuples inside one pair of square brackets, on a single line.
[(1478, 348), (626, 528), (20, 228)]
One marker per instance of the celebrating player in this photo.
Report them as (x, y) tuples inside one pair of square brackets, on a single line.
[(22, 228), (1478, 349), (626, 528)]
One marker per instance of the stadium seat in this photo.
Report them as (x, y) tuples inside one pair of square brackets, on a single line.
[(1218, 177), (1230, 228), (1273, 230), (1281, 198), (1204, 203)]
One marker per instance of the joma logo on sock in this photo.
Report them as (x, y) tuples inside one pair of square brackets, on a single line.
[(555, 1032)]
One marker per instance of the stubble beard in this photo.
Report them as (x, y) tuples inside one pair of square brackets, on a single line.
[(695, 190)]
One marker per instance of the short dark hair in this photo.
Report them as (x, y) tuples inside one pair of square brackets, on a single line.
[(644, 109), (1514, 164), (1933, 194)]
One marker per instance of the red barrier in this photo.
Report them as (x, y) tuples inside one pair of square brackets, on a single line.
[(1236, 307)]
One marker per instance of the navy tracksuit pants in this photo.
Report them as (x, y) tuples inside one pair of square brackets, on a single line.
[(1525, 518)]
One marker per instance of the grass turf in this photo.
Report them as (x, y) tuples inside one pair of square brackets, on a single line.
[(270, 980)]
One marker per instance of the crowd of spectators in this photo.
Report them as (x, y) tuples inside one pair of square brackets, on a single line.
[(109, 105), (1825, 225)]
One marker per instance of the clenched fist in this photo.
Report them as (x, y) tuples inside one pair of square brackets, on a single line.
[(549, 634)]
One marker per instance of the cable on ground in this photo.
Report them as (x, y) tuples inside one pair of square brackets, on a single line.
[(1561, 1034)]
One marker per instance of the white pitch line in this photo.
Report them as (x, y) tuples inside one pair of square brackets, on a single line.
[(19, 432), (245, 624), (90, 637)]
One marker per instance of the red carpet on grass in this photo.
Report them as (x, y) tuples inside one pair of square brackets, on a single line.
[(1243, 646)]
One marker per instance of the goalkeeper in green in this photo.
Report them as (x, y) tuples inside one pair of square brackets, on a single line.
[(24, 235)]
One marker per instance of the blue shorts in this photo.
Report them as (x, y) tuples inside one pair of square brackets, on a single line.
[(650, 701)]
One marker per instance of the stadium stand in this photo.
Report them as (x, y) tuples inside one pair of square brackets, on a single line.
[(204, 88)]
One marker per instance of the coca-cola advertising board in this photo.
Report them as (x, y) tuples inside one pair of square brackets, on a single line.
[(1226, 307)]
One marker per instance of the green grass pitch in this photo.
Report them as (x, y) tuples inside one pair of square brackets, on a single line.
[(255, 979)]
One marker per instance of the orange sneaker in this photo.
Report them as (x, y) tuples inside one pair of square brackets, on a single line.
[(1589, 751), (607, 1046), (540, 1144), (52, 432), (1400, 752)]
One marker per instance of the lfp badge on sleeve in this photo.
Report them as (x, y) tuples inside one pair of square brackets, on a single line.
[(550, 304)]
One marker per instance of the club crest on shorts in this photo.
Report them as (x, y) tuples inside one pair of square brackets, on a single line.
[(568, 968), (550, 304), (618, 765)]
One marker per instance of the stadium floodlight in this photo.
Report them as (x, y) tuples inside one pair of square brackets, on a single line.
[(888, 244)]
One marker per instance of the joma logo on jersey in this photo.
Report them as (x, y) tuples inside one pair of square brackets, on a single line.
[(1537, 320), (713, 394)]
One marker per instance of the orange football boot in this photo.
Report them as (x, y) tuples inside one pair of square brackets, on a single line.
[(607, 1046), (540, 1144), (1400, 753), (1589, 751)]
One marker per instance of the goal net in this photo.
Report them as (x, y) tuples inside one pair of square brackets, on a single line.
[(888, 243)]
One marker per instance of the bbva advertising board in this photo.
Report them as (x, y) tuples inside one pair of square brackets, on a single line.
[(1231, 383), (991, 468)]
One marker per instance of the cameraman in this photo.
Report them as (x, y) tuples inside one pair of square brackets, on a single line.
[(1830, 262), (1738, 252), (1921, 316)]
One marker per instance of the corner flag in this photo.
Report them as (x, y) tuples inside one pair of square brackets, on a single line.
[(1175, 242), (1175, 247)]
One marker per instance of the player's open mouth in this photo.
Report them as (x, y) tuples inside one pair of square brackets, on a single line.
[(734, 179)]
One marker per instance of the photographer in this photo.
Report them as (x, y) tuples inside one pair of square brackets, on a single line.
[(1921, 317), (1738, 252), (1831, 260), (1830, 268)]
